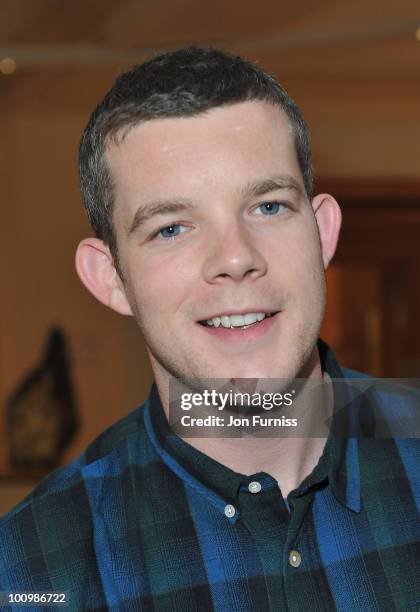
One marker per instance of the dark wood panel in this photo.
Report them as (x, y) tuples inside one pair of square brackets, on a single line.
[(374, 288)]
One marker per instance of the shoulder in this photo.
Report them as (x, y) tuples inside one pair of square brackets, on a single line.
[(54, 521), (393, 409), (68, 476), (349, 373)]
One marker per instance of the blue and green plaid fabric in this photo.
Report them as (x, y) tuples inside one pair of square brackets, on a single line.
[(138, 523)]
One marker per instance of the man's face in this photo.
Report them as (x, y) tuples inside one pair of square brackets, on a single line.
[(233, 233)]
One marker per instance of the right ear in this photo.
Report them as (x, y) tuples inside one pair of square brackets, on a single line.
[(96, 270)]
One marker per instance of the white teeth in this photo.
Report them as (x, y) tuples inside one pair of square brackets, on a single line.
[(250, 318), (236, 320), (225, 321)]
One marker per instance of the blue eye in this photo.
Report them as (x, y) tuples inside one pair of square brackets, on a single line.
[(170, 231), (271, 208)]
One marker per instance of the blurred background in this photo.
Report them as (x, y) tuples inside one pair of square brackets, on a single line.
[(353, 68)]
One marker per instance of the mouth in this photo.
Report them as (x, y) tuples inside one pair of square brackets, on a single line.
[(237, 321)]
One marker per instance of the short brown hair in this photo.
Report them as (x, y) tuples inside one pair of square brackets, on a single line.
[(184, 82)]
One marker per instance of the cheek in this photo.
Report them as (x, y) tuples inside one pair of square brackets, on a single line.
[(312, 276), (310, 263), (298, 258), (161, 286)]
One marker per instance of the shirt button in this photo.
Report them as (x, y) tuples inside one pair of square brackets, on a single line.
[(294, 558), (229, 510), (254, 487)]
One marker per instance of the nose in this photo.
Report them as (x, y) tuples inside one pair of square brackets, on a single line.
[(233, 254)]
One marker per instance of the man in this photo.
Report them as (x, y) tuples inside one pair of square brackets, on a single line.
[(196, 176)]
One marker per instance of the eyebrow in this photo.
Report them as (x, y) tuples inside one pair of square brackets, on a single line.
[(261, 187), (159, 207), (145, 212)]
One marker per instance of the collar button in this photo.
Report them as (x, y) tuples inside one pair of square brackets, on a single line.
[(254, 487)]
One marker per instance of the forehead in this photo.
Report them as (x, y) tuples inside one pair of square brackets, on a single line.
[(223, 146)]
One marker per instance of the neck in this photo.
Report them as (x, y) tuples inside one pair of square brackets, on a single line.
[(287, 459)]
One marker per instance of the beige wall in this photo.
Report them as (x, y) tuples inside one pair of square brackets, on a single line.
[(360, 128), (42, 223)]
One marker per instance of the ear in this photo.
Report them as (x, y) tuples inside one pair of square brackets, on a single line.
[(96, 270), (328, 217)]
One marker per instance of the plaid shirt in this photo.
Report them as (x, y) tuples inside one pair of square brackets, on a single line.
[(141, 521)]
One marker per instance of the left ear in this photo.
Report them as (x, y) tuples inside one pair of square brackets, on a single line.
[(328, 217)]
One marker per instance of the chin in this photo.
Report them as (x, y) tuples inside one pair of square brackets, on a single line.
[(255, 371)]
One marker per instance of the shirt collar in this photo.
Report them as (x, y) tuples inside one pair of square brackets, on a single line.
[(216, 482), (344, 469), (220, 485)]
